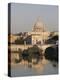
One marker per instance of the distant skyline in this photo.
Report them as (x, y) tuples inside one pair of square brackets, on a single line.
[(24, 16)]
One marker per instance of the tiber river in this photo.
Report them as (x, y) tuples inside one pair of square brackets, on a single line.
[(43, 68)]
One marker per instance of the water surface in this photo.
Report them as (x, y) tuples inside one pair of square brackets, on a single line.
[(23, 70)]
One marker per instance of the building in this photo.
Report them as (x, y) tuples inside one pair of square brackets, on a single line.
[(12, 38), (39, 34)]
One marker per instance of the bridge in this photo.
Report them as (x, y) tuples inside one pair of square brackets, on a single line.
[(15, 55), (14, 47)]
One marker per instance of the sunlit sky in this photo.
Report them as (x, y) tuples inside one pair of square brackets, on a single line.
[(23, 17)]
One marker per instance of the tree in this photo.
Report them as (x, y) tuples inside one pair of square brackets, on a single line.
[(25, 54), (51, 53), (34, 53), (31, 53)]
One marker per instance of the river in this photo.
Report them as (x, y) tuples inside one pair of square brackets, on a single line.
[(46, 68)]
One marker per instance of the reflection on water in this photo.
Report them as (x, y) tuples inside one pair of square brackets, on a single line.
[(44, 68)]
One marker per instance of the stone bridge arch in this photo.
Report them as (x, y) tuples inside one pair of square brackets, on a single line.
[(43, 47)]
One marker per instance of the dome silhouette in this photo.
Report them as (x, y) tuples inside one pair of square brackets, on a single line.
[(38, 26)]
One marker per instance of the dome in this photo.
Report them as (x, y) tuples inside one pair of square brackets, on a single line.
[(38, 26)]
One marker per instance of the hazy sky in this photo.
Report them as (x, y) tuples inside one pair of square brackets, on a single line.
[(23, 16)]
